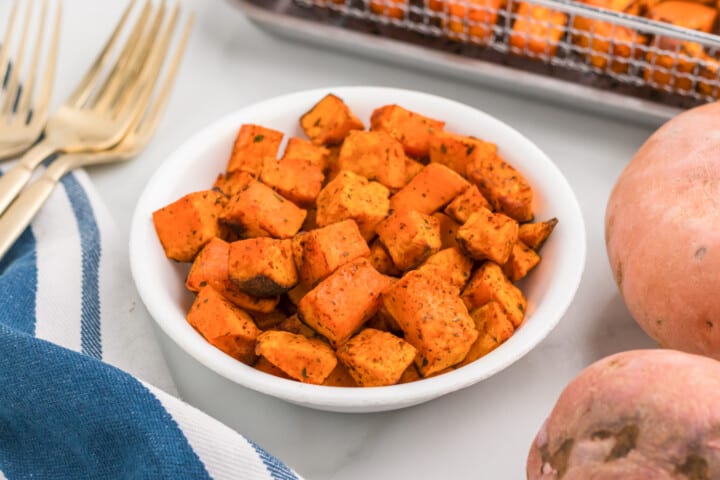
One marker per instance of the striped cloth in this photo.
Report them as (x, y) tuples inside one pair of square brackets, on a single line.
[(82, 383)]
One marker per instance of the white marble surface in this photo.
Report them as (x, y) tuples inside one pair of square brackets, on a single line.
[(481, 432)]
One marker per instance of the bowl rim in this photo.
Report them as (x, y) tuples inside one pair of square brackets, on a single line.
[(343, 398)]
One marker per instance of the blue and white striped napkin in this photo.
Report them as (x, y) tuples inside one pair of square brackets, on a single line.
[(82, 382)]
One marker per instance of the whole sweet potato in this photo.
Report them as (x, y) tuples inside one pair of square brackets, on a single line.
[(637, 415)]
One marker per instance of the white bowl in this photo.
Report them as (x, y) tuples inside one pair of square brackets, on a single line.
[(550, 288)]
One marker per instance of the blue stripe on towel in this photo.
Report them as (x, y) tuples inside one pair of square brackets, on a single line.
[(67, 415), (277, 469), (91, 250)]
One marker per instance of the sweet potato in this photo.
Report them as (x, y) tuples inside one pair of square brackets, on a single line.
[(253, 145), (448, 230), (267, 321), (389, 8), (340, 377), (301, 149), (467, 203), (537, 30), (412, 168), (375, 155), (411, 129), (410, 374), (507, 190), (376, 358), (265, 366), (488, 235), (232, 183), (339, 305), (458, 151), (187, 224), (293, 324), (381, 260), (493, 328), (329, 121), (433, 318), (534, 234), (409, 237), (490, 283), (430, 190), (263, 267), (307, 360), (449, 265), (296, 179), (224, 325), (692, 15), (470, 20), (522, 259)]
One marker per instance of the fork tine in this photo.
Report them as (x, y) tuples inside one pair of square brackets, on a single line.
[(26, 92), (5, 47), (13, 84), (43, 103)]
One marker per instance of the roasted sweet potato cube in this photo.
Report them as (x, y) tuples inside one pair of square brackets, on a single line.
[(488, 235), (505, 188), (537, 30), (374, 155), (265, 366), (434, 319), (674, 68), (293, 324), (232, 183), (253, 145), (263, 267), (449, 265), (389, 8), (494, 328), (258, 211), (327, 248), (375, 358), (224, 325), (296, 293), (412, 168), (431, 189), (266, 321), (351, 196), (296, 179), (301, 149), (411, 129), (409, 237), (467, 203), (457, 151), (534, 234), (475, 25), (187, 224), (329, 121), (308, 360), (522, 259), (490, 283), (339, 305), (340, 377), (381, 260), (448, 230), (410, 374)]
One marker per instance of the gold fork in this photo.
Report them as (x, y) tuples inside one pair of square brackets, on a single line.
[(32, 198), (21, 122), (98, 114)]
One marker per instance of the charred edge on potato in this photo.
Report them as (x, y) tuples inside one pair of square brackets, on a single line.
[(261, 286), (558, 460), (695, 467)]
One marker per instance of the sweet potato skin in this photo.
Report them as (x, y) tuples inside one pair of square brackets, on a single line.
[(534, 235)]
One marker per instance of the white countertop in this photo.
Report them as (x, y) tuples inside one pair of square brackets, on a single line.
[(481, 432)]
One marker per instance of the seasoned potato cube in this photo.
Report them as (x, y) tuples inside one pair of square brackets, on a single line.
[(448, 230), (449, 265), (211, 268), (433, 318), (457, 151), (350, 196), (253, 145), (224, 325), (293, 324), (412, 168), (263, 267), (300, 149), (376, 358), (232, 183), (673, 69), (488, 235), (344, 301), (410, 374), (430, 190), (522, 259), (340, 377), (187, 224), (327, 248), (534, 234), (258, 211), (266, 321), (374, 155), (329, 121), (537, 30), (494, 328), (476, 23), (467, 203), (265, 366), (489, 283), (411, 129), (295, 294), (409, 237), (308, 360), (380, 259), (297, 180), (387, 8), (505, 188)]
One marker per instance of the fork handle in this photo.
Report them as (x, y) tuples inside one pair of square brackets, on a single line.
[(15, 179)]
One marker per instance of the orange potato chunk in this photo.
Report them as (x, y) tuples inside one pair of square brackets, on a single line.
[(488, 235), (534, 234), (263, 267), (307, 360), (522, 259), (430, 190), (265, 366), (476, 23), (296, 179), (467, 203), (374, 155), (293, 324), (507, 190), (301, 149), (340, 377), (449, 265), (388, 8), (490, 283), (329, 121), (232, 183), (494, 328), (412, 168), (375, 358), (409, 237), (538, 29), (411, 129), (458, 151), (448, 230), (253, 145), (692, 15), (381, 260)]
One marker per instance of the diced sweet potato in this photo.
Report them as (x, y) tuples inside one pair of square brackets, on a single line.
[(505, 188), (411, 129), (374, 155), (327, 248), (673, 69), (434, 319), (340, 377), (376, 358), (430, 190), (329, 121), (522, 259), (537, 29), (265, 366), (409, 237), (224, 325), (263, 267), (467, 203), (458, 151), (488, 235), (301, 149), (534, 234), (494, 328), (351, 196), (389, 8), (384, 322), (296, 179), (341, 303), (187, 224), (449, 265), (253, 145), (448, 230), (296, 293), (258, 211), (410, 374), (381, 260), (293, 324), (232, 183), (308, 360), (489, 283), (412, 168), (266, 321), (475, 25)]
